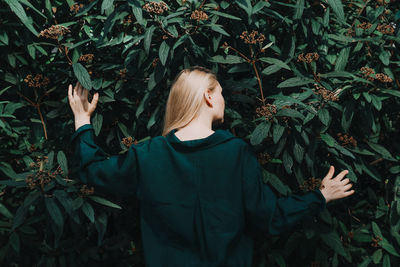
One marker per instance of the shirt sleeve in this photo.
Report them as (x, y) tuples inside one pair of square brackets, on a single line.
[(267, 213), (115, 174)]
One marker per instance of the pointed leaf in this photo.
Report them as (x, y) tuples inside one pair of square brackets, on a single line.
[(163, 52), (82, 75), (104, 202), (337, 8), (62, 160), (260, 133)]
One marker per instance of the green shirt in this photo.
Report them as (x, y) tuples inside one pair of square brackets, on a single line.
[(200, 200)]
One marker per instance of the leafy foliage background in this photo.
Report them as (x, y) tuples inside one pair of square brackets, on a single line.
[(309, 83)]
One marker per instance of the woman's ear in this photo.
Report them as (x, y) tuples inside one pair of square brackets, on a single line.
[(207, 97)]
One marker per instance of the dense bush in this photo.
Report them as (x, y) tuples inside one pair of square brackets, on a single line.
[(308, 83)]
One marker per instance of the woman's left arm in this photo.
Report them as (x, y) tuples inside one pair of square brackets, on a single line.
[(113, 174)]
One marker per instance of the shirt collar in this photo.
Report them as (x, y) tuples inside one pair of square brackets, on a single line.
[(219, 136)]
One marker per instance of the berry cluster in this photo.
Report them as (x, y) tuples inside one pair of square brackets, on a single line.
[(38, 81), (41, 177), (54, 32), (128, 19), (267, 111), (199, 15), (86, 57), (85, 190), (155, 62), (76, 7), (122, 73), (308, 58), (156, 7), (383, 78), (252, 38), (364, 25), (310, 184), (375, 242), (325, 93), (346, 139), (264, 158), (385, 28), (127, 141), (367, 72)]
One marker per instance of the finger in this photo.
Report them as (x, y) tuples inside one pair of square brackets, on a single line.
[(330, 173), (340, 176), (85, 93), (70, 97), (76, 89), (80, 89), (347, 187), (95, 99), (349, 193), (345, 181)]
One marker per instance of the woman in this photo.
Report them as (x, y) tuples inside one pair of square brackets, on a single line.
[(201, 192)]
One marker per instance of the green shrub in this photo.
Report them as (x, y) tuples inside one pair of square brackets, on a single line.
[(308, 83)]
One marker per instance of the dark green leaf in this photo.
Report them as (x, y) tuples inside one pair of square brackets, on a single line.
[(88, 211), (337, 8), (260, 133), (54, 211), (277, 130), (377, 256), (224, 15), (106, 4), (14, 241), (287, 161), (342, 59), (147, 38), (298, 152), (323, 115), (17, 8), (229, 59), (276, 182), (333, 241), (275, 61), (62, 160), (295, 81), (5, 212), (97, 122), (163, 52), (381, 150), (82, 75), (104, 202), (7, 170)]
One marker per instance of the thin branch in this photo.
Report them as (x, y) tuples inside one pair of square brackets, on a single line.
[(41, 118), (376, 161), (202, 4), (240, 54), (37, 106), (259, 82)]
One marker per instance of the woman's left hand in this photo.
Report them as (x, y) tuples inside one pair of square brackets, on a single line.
[(78, 100)]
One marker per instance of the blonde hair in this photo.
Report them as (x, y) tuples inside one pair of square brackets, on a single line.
[(186, 96)]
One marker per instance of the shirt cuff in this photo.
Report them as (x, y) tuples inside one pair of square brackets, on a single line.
[(321, 197), (81, 129)]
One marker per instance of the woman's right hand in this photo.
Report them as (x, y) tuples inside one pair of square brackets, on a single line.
[(335, 188)]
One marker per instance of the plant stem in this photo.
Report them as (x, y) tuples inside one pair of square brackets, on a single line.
[(259, 82), (41, 118), (37, 106)]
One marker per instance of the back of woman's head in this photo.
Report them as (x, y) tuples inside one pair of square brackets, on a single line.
[(186, 96)]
